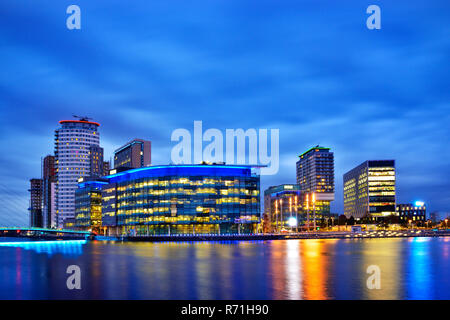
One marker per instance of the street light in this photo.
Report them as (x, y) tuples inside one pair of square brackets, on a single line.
[(313, 199), (446, 220)]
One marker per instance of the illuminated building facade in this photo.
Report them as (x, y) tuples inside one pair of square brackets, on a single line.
[(106, 168), (48, 192), (282, 208), (96, 161), (315, 176), (185, 199), (35, 203), (414, 212), (73, 147), (369, 190), (88, 204), (134, 154)]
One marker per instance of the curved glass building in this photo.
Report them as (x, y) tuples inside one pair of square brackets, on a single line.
[(181, 199)]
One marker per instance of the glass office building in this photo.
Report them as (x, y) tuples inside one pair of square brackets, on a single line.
[(369, 190), (282, 208), (88, 204), (181, 199)]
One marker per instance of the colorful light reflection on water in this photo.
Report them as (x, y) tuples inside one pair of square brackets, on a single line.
[(411, 268), (68, 247)]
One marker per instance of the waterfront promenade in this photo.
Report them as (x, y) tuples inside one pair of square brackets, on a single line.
[(287, 236)]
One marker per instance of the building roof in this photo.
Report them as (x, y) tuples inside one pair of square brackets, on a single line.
[(79, 121), (130, 143), (313, 148), (182, 170)]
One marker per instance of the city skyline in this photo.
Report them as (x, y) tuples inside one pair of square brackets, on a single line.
[(375, 97)]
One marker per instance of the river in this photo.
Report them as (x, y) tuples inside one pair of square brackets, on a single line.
[(411, 268)]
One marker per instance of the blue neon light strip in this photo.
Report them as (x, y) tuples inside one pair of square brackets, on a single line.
[(42, 229), (18, 243), (181, 170)]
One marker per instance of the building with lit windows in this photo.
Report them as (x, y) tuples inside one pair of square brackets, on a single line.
[(282, 208), (134, 154), (48, 192), (96, 161), (106, 168), (181, 199), (35, 207), (88, 204), (412, 213), (315, 176), (369, 190), (74, 142)]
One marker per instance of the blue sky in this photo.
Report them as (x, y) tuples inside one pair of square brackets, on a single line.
[(309, 68)]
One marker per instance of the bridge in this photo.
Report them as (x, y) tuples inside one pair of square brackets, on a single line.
[(27, 233)]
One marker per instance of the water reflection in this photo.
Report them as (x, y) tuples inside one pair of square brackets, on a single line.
[(387, 256), (292, 269), (419, 269), (69, 247)]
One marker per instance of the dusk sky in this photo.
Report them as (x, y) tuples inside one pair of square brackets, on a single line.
[(311, 69)]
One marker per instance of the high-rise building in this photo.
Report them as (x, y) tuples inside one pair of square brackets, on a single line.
[(73, 152), (35, 203), (134, 154), (315, 176), (369, 190), (282, 208), (96, 160), (106, 168), (48, 192)]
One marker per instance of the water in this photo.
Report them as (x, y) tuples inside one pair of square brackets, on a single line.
[(411, 268)]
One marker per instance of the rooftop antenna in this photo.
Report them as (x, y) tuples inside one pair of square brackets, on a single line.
[(81, 118)]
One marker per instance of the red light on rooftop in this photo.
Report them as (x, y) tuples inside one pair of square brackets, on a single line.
[(79, 121)]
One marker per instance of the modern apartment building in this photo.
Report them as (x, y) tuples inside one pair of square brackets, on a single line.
[(96, 160), (369, 190), (134, 154), (49, 192), (315, 176), (35, 207), (106, 168), (74, 142)]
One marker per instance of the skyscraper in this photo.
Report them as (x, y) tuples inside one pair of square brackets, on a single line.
[(134, 154), (315, 175), (48, 192), (73, 155), (35, 203), (369, 190)]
